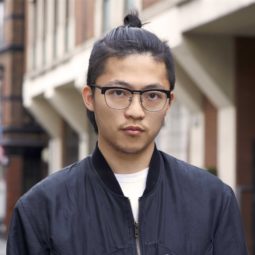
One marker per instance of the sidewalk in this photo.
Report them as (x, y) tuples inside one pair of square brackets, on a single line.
[(2, 247)]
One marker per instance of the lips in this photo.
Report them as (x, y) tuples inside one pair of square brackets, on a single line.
[(133, 130)]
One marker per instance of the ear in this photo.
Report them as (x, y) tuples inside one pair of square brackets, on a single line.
[(172, 97), (88, 98)]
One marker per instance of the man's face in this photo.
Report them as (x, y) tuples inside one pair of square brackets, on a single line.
[(131, 130)]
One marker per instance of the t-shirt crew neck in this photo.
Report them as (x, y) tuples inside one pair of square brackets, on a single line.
[(133, 186)]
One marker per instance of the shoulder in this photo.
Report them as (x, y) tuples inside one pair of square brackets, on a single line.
[(194, 179), (57, 186), (52, 199), (199, 190)]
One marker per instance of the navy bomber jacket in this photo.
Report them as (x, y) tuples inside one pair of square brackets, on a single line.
[(81, 210)]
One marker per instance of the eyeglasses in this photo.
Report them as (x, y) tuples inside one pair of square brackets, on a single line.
[(119, 98)]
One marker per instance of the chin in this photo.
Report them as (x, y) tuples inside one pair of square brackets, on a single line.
[(132, 148)]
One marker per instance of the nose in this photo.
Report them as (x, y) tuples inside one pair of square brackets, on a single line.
[(135, 109)]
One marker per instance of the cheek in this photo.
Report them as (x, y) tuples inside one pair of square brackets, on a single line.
[(157, 121), (100, 110), (105, 117)]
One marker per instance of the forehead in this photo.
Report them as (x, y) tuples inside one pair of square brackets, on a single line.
[(136, 69)]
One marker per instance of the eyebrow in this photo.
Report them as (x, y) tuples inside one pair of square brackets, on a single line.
[(130, 86)]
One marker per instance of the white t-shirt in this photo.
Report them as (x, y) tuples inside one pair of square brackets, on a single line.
[(133, 186)]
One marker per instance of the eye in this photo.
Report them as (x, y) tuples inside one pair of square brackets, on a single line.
[(118, 92), (153, 95)]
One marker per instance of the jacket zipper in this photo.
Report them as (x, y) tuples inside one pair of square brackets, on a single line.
[(136, 230), (137, 238)]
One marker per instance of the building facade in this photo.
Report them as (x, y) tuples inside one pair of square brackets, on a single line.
[(211, 124), (21, 138)]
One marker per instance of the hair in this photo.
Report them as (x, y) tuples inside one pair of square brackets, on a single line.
[(125, 40)]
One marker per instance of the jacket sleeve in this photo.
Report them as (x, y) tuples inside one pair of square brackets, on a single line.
[(23, 238), (229, 236)]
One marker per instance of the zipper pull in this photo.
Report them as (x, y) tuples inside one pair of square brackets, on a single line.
[(136, 230)]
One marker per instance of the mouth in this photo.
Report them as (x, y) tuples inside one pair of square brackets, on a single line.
[(133, 130)]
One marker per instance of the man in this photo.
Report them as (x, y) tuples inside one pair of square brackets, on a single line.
[(128, 197)]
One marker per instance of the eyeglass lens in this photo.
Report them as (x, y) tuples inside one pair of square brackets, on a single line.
[(118, 98)]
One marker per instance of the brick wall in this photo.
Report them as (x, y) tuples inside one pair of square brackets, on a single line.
[(21, 133), (14, 187), (84, 20), (245, 102)]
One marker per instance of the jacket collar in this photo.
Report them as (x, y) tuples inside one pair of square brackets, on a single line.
[(108, 177)]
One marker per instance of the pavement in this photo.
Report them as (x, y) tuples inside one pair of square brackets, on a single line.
[(2, 247)]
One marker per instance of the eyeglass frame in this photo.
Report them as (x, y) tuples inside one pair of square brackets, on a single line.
[(104, 88)]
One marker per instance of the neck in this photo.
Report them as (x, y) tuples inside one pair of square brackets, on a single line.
[(124, 162)]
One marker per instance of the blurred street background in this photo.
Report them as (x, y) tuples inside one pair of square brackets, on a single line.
[(44, 49), (2, 247)]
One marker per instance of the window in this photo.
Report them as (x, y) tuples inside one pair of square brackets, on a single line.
[(1, 23), (128, 5), (1, 93), (106, 15), (34, 32), (55, 28), (67, 14), (44, 30), (174, 136)]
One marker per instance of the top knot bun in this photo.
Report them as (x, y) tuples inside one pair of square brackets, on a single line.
[(132, 20)]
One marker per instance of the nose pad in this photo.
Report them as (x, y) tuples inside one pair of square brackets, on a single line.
[(132, 100), (135, 108)]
